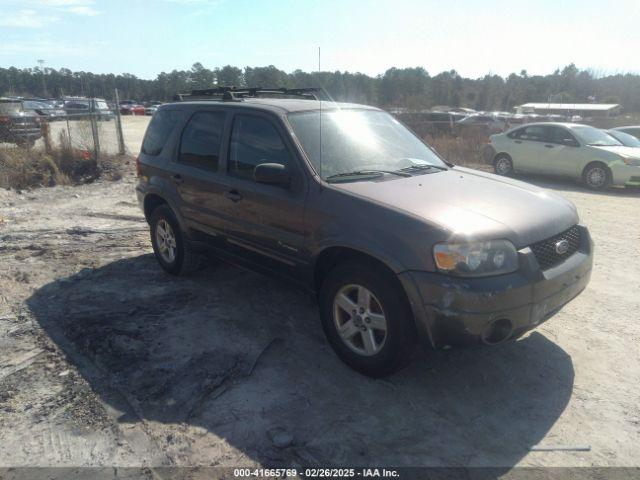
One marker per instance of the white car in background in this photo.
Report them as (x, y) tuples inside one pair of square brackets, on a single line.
[(568, 150), (625, 138)]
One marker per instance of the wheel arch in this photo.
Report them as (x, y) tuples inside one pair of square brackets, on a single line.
[(331, 256), (335, 255), (151, 202), (154, 198), (501, 154)]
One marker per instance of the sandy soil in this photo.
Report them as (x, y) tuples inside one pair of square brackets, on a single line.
[(105, 360)]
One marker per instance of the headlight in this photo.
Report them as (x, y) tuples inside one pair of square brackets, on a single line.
[(476, 259), (631, 161)]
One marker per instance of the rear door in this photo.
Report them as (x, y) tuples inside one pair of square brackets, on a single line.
[(527, 147), (270, 218), (197, 176)]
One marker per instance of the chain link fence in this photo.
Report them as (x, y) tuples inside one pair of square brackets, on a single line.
[(76, 144), (96, 133)]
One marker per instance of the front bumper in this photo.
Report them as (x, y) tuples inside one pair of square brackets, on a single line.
[(628, 175), (453, 310)]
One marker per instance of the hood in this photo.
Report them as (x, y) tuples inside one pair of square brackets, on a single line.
[(628, 152), (470, 204)]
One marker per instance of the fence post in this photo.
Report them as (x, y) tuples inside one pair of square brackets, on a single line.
[(46, 135), (119, 125), (94, 129)]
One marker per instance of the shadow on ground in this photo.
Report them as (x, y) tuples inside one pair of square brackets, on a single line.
[(244, 358)]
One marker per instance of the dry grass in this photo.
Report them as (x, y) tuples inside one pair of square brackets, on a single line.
[(462, 149), (22, 168)]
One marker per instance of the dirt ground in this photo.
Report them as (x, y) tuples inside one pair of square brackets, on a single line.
[(107, 361)]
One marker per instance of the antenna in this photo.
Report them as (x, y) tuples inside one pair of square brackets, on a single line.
[(320, 115)]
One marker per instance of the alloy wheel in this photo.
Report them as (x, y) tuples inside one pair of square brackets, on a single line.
[(166, 241), (503, 166), (360, 320), (596, 177)]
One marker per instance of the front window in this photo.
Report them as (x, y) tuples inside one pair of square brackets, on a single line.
[(595, 137), (254, 141), (359, 140)]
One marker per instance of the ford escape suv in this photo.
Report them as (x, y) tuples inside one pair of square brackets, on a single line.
[(398, 246)]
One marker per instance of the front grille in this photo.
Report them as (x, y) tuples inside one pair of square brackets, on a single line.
[(545, 251)]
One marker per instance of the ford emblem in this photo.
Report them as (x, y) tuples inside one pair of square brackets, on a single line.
[(562, 247)]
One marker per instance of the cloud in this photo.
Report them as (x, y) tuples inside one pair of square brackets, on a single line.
[(44, 47), (46, 8), (26, 19), (83, 10)]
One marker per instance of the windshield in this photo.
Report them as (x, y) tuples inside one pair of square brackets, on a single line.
[(359, 140), (10, 107), (595, 137), (625, 138)]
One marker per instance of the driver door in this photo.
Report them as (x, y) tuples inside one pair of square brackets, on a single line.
[(563, 155), (269, 218)]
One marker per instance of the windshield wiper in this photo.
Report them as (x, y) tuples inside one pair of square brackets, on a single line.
[(421, 167), (356, 173)]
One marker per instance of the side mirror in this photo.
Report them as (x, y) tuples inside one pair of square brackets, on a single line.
[(570, 142), (272, 174)]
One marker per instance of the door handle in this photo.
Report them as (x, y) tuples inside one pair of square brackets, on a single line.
[(549, 146), (177, 179), (518, 141), (233, 195)]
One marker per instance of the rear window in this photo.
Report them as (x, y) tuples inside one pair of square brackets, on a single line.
[(160, 127), (201, 140), (10, 107)]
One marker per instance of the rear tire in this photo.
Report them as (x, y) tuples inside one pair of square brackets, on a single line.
[(358, 339), (596, 176), (503, 165), (172, 251)]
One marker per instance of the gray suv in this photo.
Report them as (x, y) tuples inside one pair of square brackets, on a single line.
[(398, 246)]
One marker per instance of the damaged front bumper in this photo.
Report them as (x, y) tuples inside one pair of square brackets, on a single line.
[(454, 310)]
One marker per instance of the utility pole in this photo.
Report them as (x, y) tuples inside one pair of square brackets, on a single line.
[(44, 80)]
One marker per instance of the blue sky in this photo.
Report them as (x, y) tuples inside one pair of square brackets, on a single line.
[(145, 37)]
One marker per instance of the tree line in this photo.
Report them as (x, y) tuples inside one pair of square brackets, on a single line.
[(411, 88)]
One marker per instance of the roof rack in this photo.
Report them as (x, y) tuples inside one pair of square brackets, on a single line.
[(231, 94)]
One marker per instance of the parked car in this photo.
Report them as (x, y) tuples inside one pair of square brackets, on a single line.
[(489, 122), (568, 150), (44, 109), (151, 109), (80, 108), (631, 130), (129, 107), (624, 138), (17, 125), (395, 243)]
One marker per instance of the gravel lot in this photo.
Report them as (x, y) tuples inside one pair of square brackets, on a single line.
[(105, 360)]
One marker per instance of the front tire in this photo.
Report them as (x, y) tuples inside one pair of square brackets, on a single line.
[(596, 176), (172, 251), (503, 165), (366, 318)]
